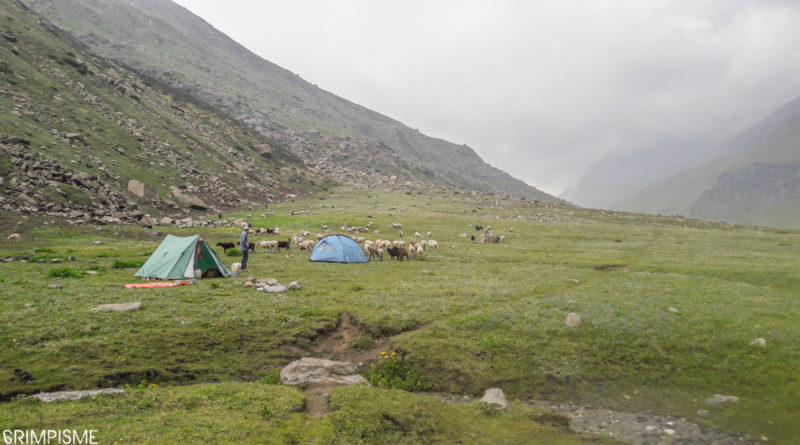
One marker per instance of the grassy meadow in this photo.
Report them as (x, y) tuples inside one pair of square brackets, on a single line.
[(669, 307)]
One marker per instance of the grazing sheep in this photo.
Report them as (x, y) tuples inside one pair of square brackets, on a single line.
[(305, 233), (432, 245), (417, 235), (320, 236), (478, 228), (284, 244), (324, 227), (398, 252), (269, 245), (375, 252), (399, 243), (510, 229), (306, 245), (395, 226), (360, 239), (14, 236), (430, 234), (226, 246), (420, 251), (401, 234)]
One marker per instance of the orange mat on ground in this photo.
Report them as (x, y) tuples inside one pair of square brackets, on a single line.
[(158, 284)]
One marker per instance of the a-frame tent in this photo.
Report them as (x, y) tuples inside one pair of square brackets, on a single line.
[(338, 249), (177, 257)]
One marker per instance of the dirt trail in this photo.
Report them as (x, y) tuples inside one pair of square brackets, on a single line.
[(338, 345)]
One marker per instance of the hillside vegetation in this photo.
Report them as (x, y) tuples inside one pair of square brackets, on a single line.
[(669, 308), (75, 128), (348, 141)]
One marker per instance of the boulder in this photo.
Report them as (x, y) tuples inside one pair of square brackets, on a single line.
[(74, 395), (495, 398), (165, 221), (142, 190), (309, 370), (120, 307), (263, 149)]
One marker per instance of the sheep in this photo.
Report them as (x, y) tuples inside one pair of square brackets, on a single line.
[(399, 243), (419, 251), (375, 252), (226, 246), (13, 236), (320, 236), (511, 229), (398, 252), (269, 245), (368, 243), (360, 239), (401, 234), (324, 227), (395, 226), (285, 244), (430, 234), (417, 235), (305, 233), (478, 228), (432, 245), (306, 245)]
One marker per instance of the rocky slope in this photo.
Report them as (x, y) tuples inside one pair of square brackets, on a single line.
[(85, 138), (346, 140)]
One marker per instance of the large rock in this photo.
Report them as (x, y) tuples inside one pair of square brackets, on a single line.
[(142, 190), (263, 149), (120, 307), (320, 371), (74, 395), (495, 398), (188, 199)]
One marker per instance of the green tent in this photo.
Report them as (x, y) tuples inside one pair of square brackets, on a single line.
[(177, 257)]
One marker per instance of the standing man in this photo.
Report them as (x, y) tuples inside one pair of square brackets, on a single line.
[(244, 246)]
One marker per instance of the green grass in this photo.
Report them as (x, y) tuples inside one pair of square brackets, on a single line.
[(468, 318), (127, 264)]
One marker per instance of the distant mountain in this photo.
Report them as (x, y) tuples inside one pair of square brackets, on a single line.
[(348, 141), (754, 178), (85, 138), (617, 176)]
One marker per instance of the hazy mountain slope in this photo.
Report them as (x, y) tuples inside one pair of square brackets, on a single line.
[(75, 128), (168, 42), (614, 180), (757, 180)]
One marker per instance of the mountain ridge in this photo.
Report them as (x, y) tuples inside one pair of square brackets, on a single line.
[(168, 42)]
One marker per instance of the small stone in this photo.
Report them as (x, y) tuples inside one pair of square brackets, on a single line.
[(573, 280), (669, 431), (672, 309), (495, 398), (56, 260), (650, 428), (97, 243), (294, 285), (759, 343), (248, 284), (573, 320), (119, 307), (704, 413), (719, 399), (55, 286), (91, 272)]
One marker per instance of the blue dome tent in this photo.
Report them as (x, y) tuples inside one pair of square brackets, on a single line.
[(338, 249)]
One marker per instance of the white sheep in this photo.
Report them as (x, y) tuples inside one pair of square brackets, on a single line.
[(399, 243), (13, 236), (320, 236), (305, 233), (432, 245), (430, 234), (417, 235), (268, 245), (395, 226), (420, 251)]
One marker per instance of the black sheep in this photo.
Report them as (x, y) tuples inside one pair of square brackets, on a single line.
[(398, 252), (284, 244), (478, 227), (226, 246)]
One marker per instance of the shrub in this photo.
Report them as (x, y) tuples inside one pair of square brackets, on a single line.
[(104, 255), (63, 272), (127, 264), (393, 371), (42, 250), (214, 285), (357, 287), (310, 313), (273, 378), (234, 252)]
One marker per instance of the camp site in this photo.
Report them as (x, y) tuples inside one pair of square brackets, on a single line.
[(661, 328)]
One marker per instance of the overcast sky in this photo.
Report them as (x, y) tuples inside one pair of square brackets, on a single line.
[(539, 89)]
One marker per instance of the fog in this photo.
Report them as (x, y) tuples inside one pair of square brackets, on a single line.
[(538, 89)]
